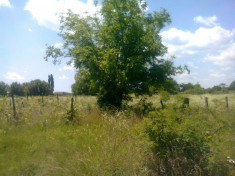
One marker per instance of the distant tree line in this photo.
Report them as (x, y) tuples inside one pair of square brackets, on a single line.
[(83, 86), (33, 88), (197, 89)]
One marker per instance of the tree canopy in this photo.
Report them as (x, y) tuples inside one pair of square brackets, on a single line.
[(16, 89), (38, 88), (35, 87), (83, 84), (3, 88), (120, 47)]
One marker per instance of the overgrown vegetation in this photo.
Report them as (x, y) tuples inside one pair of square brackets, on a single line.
[(176, 140)]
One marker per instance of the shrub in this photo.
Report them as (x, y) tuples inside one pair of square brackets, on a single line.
[(143, 107), (179, 147)]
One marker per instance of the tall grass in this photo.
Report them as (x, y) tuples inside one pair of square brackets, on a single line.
[(97, 142)]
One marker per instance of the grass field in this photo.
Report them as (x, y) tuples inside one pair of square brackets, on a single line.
[(141, 139)]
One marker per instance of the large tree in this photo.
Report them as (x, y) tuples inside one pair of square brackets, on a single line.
[(120, 47)]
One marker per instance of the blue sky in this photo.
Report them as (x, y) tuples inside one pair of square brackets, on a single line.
[(201, 35)]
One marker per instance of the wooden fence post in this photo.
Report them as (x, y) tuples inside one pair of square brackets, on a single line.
[(57, 98), (14, 108), (206, 101), (72, 104), (71, 113), (10, 102), (226, 99), (162, 104)]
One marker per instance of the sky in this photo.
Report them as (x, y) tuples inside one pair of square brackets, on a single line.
[(201, 35)]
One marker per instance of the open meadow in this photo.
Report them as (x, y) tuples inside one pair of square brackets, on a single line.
[(140, 139)]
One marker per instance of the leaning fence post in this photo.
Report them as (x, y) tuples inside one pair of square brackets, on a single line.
[(162, 104), (226, 99), (206, 101), (14, 108)]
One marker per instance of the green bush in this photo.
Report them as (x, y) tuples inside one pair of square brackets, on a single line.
[(195, 90), (179, 147), (143, 107)]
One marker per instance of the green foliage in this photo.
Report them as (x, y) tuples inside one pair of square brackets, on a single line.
[(218, 89), (164, 95), (51, 82), (197, 89), (83, 84), (120, 49), (35, 87), (143, 107), (171, 86), (3, 88), (184, 87), (181, 146), (232, 86), (38, 88), (17, 89)]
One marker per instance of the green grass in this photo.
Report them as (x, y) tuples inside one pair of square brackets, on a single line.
[(43, 142)]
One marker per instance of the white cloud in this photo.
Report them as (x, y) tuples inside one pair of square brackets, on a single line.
[(30, 30), (63, 77), (226, 68), (5, 3), (46, 11), (13, 76), (217, 75), (223, 58), (191, 64), (214, 44), (185, 77), (182, 43), (58, 45), (68, 67), (208, 21)]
